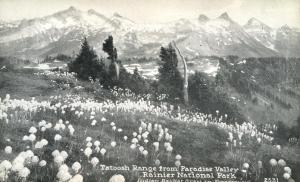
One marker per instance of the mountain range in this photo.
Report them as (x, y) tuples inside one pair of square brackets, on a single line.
[(62, 32)]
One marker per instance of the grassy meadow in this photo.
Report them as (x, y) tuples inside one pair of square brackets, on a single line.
[(57, 128)]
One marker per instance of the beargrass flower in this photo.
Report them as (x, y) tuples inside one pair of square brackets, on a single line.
[(286, 176), (76, 167), (88, 139), (32, 130), (94, 161), (57, 137), (87, 152), (157, 162), (8, 150), (24, 172), (64, 154), (178, 157), (273, 162), (76, 178), (113, 143), (117, 178), (281, 162), (42, 163), (246, 165), (103, 151), (177, 163), (35, 159)]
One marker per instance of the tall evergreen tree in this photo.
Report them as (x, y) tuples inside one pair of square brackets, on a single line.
[(86, 63), (108, 47), (170, 80)]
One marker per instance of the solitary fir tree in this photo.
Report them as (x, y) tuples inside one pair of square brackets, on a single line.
[(170, 80), (108, 47), (86, 64)]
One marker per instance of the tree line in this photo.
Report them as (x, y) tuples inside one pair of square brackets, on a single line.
[(196, 91)]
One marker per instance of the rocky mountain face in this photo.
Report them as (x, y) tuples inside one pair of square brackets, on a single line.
[(63, 31)]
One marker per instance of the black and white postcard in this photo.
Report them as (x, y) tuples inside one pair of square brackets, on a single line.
[(149, 90)]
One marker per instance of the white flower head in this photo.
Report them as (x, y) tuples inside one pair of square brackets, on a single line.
[(76, 167), (55, 153), (177, 163), (157, 162), (24, 172), (287, 169), (44, 142), (38, 145), (42, 163), (29, 154), (32, 137), (278, 147), (94, 161), (89, 144), (281, 162), (63, 175), (57, 137), (135, 140), (258, 140), (25, 138), (88, 151), (141, 149), (8, 149), (48, 125), (32, 130), (117, 178), (169, 149), (59, 160), (63, 167), (97, 143), (286, 176), (145, 153), (246, 165), (88, 139), (42, 123), (64, 154), (113, 143), (34, 159), (5, 165), (43, 129), (273, 162), (16, 167), (77, 178), (133, 146), (103, 151), (178, 157)]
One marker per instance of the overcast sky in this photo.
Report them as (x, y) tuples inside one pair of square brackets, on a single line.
[(273, 12)]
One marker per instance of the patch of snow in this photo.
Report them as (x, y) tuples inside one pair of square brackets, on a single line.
[(39, 67)]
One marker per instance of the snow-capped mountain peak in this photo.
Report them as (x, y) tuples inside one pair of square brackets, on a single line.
[(256, 24), (71, 11), (62, 32), (203, 18), (225, 16)]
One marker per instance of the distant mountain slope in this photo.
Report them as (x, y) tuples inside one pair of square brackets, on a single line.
[(62, 32)]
